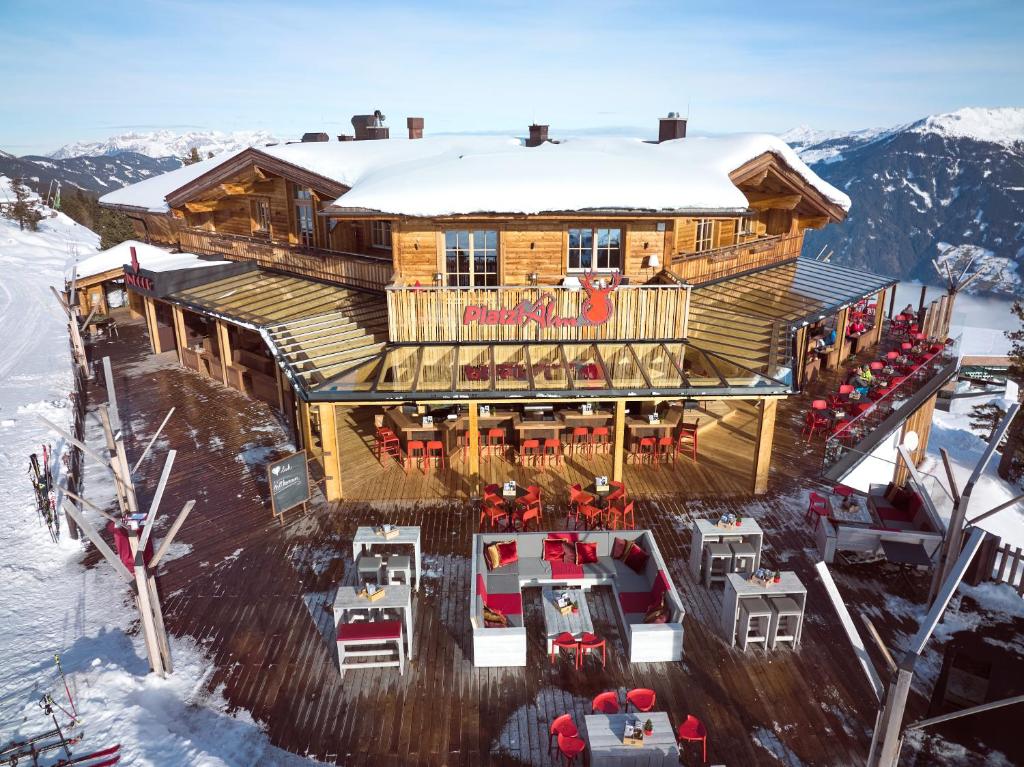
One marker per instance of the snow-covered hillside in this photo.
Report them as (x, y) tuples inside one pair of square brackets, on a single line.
[(49, 602), (1004, 126), (167, 143)]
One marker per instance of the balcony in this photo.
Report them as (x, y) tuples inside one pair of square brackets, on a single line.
[(353, 269), (708, 265)]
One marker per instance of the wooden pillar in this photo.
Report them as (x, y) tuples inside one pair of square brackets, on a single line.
[(619, 447), (876, 331), (921, 423), (224, 344), (305, 430), (180, 335), (892, 302), (842, 347), (279, 376), (763, 444), (800, 353), (332, 455), (473, 440), (151, 324)]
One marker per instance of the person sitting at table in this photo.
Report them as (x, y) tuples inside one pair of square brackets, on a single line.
[(830, 338), (908, 311)]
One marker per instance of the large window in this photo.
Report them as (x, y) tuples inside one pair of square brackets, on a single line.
[(595, 249), (259, 212), (471, 257), (380, 234), (304, 222), (705, 234)]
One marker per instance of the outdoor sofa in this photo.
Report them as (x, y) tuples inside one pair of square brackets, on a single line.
[(635, 593)]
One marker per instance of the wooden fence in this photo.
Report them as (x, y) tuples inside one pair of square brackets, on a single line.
[(1008, 567), (459, 315), (698, 268), (353, 269)]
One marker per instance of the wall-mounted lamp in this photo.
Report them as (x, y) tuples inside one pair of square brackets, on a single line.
[(645, 246), (532, 244), (533, 277), (653, 261), (438, 276), (416, 245)]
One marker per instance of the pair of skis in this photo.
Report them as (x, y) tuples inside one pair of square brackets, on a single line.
[(28, 750), (46, 499)]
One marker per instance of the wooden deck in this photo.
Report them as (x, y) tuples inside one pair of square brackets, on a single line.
[(252, 594)]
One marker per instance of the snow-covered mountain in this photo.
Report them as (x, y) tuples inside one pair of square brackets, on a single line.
[(948, 187), (92, 174), (167, 143)]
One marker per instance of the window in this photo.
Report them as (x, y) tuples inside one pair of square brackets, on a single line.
[(380, 234), (595, 249), (705, 234), (259, 211), (471, 257), (304, 226)]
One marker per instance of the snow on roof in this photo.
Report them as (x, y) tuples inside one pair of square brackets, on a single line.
[(150, 257), (149, 194), (475, 174)]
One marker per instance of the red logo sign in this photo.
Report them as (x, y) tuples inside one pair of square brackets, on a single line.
[(597, 308), (135, 260), (133, 277)]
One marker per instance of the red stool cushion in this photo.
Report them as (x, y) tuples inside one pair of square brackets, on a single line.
[(367, 630)]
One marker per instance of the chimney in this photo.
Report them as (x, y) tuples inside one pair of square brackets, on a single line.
[(671, 127), (415, 125), (307, 137), (345, 137), (538, 135), (369, 127)]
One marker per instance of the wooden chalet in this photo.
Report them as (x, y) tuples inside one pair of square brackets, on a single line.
[(489, 284)]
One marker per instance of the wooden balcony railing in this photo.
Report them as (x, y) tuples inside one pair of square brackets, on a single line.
[(708, 265), (521, 313), (354, 269)]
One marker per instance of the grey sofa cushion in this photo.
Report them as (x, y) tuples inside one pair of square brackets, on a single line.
[(533, 569), (603, 568), (626, 580), (503, 581), (531, 545)]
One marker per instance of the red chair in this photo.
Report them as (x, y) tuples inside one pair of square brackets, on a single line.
[(606, 703), (843, 491), (563, 725), (552, 451), (387, 444), (845, 390), (617, 491), (817, 508), (906, 346), (493, 443), (686, 439), (533, 496), (591, 516), (666, 449), (590, 644), (494, 513), (876, 366), (623, 515), (891, 356), (581, 442), (569, 748), (578, 497), (601, 440), (435, 452), (529, 452), (644, 449), (812, 422), (641, 699), (693, 729), (415, 451), (819, 404), (523, 516), (565, 641)]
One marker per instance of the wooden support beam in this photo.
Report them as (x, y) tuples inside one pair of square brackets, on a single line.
[(151, 325), (180, 335), (169, 538), (224, 345), (154, 506), (152, 439), (776, 202), (83, 524), (763, 444), (473, 440), (332, 453), (619, 446), (814, 222), (202, 206)]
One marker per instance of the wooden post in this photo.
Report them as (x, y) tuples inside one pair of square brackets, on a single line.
[(280, 389), (886, 740), (920, 305), (876, 331), (800, 352), (473, 440), (620, 439), (332, 455), (840, 350), (152, 325), (180, 335), (763, 444), (224, 345), (892, 302)]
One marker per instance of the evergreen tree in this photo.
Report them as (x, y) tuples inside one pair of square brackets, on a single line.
[(1011, 465), (114, 228), (192, 158), (24, 210), (986, 417)]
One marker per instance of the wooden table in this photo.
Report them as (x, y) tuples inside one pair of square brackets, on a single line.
[(411, 427), (574, 418), (454, 426), (706, 531), (408, 535), (555, 623), (603, 733), (737, 587), (396, 597), (535, 428), (905, 553)]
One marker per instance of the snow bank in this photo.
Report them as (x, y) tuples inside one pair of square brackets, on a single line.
[(150, 257)]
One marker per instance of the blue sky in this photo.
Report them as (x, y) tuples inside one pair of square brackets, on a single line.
[(80, 71)]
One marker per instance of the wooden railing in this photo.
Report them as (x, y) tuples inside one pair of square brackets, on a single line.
[(698, 268), (460, 315), (1008, 567), (354, 269)]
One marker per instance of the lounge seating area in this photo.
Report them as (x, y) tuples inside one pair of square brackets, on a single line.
[(650, 611)]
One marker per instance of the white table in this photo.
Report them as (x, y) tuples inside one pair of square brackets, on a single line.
[(738, 587), (407, 536), (555, 623), (396, 597), (603, 733), (707, 531)]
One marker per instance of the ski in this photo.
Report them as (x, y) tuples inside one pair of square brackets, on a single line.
[(16, 745), (114, 752), (33, 751)]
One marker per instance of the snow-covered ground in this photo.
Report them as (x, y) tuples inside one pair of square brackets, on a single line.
[(49, 602)]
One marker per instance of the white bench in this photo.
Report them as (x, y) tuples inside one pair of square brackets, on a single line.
[(379, 634)]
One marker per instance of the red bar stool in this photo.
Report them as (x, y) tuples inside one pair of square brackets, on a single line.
[(692, 730), (415, 451), (605, 703), (552, 451), (493, 443), (563, 725), (641, 699), (645, 449), (580, 441), (666, 449), (529, 452), (590, 644), (388, 444), (569, 748), (601, 440), (435, 451), (565, 641)]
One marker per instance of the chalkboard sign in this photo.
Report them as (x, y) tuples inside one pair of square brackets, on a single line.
[(289, 482)]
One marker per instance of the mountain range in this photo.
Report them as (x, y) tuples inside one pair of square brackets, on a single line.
[(948, 187)]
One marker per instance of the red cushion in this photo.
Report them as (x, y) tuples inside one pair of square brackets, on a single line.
[(618, 548), (508, 552), (895, 515), (366, 630), (565, 536), (553, 550), (659, 588), (636, 558), (566, 570), (510, 604), (635, 601), (914, 503), (586, 553), (481, 587)]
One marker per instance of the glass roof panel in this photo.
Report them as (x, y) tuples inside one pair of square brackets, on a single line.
[(697, 368), (584, 366), (399, 371), (548, 370), (622, 367), (474, 372), (437, 369), (658, 365), (510, 369), (360, 377)]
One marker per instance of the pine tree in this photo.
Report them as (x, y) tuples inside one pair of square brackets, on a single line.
[(114, 228), (25, 210), (1011, 465), (986, 417), (192, 158)]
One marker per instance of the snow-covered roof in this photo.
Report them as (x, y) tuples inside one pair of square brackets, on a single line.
[(450, 175), (149, 194), (150, 257)]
